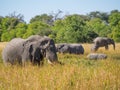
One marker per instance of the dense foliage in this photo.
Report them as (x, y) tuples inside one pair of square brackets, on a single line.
[(73, 28)]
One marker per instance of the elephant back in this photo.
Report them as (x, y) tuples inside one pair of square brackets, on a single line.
[(34, 38), (76, 48)]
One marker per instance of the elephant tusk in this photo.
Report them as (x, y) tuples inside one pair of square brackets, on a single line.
[(50, 62)]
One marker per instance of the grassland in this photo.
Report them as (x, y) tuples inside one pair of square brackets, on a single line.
[(77, 73)]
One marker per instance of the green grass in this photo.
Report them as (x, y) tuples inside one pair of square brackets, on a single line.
[(77, 73)]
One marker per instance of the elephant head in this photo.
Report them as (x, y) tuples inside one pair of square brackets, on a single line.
[(36, 54), (33, 52), (47, 44), (61, 48), (111, 41), (50, 49)]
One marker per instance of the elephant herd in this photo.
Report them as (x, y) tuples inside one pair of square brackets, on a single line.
[(35, 48)]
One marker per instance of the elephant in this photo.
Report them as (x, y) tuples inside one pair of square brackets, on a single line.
[(50, 51), (62, 48), (96, 56), (34, 53), (102, 42), (70, 48), (20, 52), (18, 49)]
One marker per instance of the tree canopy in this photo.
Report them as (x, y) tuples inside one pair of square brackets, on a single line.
[(72, 28)]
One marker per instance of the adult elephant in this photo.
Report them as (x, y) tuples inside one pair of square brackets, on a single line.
[(62, 48), (16, 50), (50, 51), (96, 56), (102, 42), (70, 48), (33, 52)]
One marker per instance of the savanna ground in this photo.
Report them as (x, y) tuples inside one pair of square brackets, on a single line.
[(77, 73)]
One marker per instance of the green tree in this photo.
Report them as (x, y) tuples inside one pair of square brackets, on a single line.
[(98, 26), (1, 18), (102, 15), (21, 29), (11, 21), (48, 19), (38, 28), (69, 29), (7, 36), (114, 21), (8, 26)]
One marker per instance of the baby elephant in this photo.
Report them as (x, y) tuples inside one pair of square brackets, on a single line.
[(96, 56)]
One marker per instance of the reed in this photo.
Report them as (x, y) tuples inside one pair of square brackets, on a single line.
[(77, 73)]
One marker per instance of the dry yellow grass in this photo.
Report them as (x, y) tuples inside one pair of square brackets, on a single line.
[(77, 73)]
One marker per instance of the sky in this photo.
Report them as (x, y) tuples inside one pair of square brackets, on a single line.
[(31, 8)]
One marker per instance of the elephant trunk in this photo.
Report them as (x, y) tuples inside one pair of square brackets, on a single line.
[(111, 41)]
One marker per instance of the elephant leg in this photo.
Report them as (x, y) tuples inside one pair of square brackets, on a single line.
[(6, 61), (23, 62), (12, 61), (106, 47), (31, 58), (34, 62), (41, 62), (20, 61), (95, 49), (38, 62)]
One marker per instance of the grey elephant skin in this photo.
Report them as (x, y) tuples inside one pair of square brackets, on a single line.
[(33, 52), (28, 49), (15, 50), (96, 56), (102, 42), (70, 48), (11, 52), (50, 51)]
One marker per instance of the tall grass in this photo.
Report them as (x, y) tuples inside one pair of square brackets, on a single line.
[(77, 73)]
